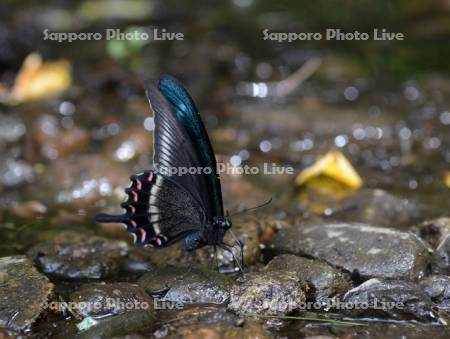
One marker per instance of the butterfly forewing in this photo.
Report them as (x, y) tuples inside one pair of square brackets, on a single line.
[(183, 107), (173, 150)]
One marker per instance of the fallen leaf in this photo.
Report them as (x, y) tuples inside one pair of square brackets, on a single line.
[(447, 179), (334, 165), (37, 79)]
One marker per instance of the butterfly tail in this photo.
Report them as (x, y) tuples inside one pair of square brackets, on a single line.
[(123, 218)]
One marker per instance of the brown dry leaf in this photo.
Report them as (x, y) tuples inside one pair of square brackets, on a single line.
[(447, 179), (37, 79), (334, 165)]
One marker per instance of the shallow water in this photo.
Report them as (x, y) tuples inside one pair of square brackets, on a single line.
[(65, 158)]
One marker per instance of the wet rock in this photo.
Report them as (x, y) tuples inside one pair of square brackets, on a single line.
[(393, 298), (363, 250), (441, 258), (9, 334), (30, 209), (378, 207), (239, 193), (326, 281), (104, 300), (126, 323), (370, 330), (438, 288), (130, 145), (437, 233), (251, 330), (11, 129), (196, 318), (272, 292), (187, 285), (205, 316), (54, 141), (247, 229), (82, 180), (14, 172), (83, 257), (138, 261), (24, 293), (33, 236)]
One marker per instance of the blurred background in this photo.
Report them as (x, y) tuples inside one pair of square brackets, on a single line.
[(75, 123)]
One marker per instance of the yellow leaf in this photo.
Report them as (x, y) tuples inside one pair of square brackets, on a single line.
[(334, 165), (447, 179), (37, 79)]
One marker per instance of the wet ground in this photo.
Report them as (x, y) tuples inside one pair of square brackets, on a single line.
[(67, 157)]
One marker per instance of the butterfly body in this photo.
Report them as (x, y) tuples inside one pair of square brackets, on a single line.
[(161, 208)]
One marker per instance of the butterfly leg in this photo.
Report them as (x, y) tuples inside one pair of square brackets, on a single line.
[(215, 260), (229, 249), (241, 246)]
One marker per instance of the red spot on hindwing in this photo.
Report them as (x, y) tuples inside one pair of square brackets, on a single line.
[(143, 234), (134, 196), (138, 184)]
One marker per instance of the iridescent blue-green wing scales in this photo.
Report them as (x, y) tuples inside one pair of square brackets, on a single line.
[(186, 112)]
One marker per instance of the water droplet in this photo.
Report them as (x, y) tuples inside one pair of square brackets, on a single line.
[(411, 93), (413, 184), (351, 93), (126, 151), (149, 123), (445, 118), (235, 160), (359, 133), (405, 133), (260, 89), (341, 140), (244, 154), (265, 146), (66, 108)]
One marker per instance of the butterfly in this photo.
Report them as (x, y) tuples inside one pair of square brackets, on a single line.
[(164, 207)]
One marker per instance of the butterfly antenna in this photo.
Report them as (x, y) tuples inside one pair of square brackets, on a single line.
[(252, 208)]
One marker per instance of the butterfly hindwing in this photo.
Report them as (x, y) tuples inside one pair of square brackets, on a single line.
[(159, 211)]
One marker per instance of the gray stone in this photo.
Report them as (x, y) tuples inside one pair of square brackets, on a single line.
[(271, 292), (393, 298), (24, 293), (122, 324), (103, 300), (363, 250), (438, 288), (187, 285), (379, 207), (80, 257), (327, 282), (246, 228)]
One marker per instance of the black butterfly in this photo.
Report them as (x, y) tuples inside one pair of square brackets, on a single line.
[(161, 208)]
